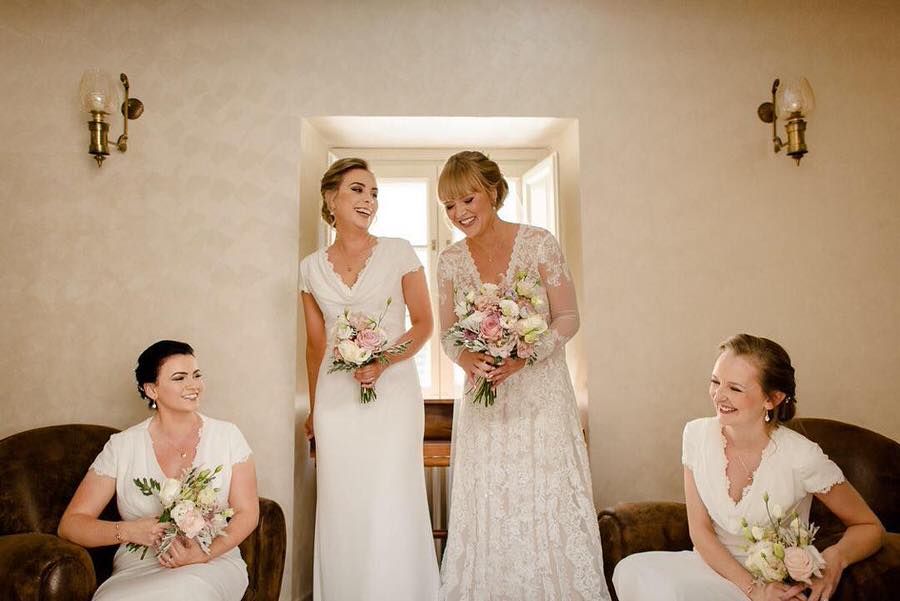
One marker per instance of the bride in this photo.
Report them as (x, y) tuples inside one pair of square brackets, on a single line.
[(522, 519)]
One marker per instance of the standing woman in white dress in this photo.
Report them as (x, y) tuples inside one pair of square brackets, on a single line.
[(522, 519), (175, 438), (732, 460), (373, 537)]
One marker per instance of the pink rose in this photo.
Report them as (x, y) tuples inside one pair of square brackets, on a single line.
[(369, 339), (193, 526), (800, 564), (523, 350), (491, 329)]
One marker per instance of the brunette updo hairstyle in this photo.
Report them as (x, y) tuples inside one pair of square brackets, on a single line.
[(469, 171), (332, 181), (776, 374), (149, 362)]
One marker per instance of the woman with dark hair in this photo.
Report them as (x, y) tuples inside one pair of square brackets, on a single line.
[(175, 439), (733, 462), (373, 535)]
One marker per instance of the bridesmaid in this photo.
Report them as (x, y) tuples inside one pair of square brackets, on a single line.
[(731, 461), (373, 536)]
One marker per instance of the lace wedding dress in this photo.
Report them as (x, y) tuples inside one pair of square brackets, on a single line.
[(522, 521)]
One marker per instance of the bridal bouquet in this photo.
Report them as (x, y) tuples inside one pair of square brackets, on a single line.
[(502, 322), (189, 508), (782, 550), (358, 341)]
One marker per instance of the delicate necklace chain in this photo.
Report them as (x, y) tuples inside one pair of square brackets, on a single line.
[(346, 258), (181, 452)]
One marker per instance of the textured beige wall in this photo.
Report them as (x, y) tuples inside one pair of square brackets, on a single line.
[(692, 229)]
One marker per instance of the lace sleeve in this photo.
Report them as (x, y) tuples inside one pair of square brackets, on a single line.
[(445, 299), (561, 299)]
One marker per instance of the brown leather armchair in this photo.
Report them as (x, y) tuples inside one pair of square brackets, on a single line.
[(39, 472), (870, 461)]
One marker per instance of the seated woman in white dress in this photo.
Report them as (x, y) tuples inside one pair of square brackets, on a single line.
[(176, 438), (730, 462)]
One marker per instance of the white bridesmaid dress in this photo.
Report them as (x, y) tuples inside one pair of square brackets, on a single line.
[(373, 539), (128, 455), (791, 470)]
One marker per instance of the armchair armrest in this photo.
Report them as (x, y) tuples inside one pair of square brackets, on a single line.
[(630, 528), (264, 552), (44, 567)]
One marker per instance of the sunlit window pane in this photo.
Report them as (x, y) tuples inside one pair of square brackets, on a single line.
[(402, 210)]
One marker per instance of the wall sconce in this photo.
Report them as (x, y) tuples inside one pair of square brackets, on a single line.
[(99, 97), (791, 102)]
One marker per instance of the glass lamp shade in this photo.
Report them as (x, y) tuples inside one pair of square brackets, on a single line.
[(98, 92), (794, 96)]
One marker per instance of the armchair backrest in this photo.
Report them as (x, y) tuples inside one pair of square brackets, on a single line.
[(39, 472), (870, 461)]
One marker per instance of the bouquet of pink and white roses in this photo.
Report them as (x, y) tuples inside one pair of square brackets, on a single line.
[(500, 321), (189, 507), (782, 549), (358, 341)]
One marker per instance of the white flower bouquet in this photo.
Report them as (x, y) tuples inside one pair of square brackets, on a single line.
[(502, 322), (782, 550), (189, 507), (360, 340)]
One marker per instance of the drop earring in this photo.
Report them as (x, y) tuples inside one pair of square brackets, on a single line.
[(768, 417)]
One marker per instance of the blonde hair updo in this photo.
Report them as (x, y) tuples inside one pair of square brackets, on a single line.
[(332, 181)]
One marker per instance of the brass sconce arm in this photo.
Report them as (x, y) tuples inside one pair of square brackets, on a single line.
[(793, 113)]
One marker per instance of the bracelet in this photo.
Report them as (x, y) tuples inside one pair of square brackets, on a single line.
[(118, 534)]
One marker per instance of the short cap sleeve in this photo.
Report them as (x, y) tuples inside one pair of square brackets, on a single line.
[(240, 450), (817, 472), (407, 259), (690, 443), (304, 275), (105, 464)]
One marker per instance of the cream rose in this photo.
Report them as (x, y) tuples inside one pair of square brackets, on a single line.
[(761, 561), (531, 328), (509, 308), (351, 353), (169, 491), (207, 496)]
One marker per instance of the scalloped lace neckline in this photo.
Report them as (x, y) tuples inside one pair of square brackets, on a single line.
[(349, 288), (505, 275), (767, 451)]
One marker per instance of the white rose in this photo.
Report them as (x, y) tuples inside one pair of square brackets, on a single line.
[(757, 532), (207, 496), (169, 491), (460, 309), (343, 331), (509, 308), (352, 353), (473, 321), (531, 328), (761, 561), (470, 296), (525, 288), (777, 511)]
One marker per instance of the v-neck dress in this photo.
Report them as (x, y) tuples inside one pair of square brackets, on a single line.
[(792, 468), (373, 538), (522, 520), (128, 455)]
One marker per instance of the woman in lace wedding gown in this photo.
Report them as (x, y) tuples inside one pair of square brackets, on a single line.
[(730, 462), (522, 521), (373, 538)]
